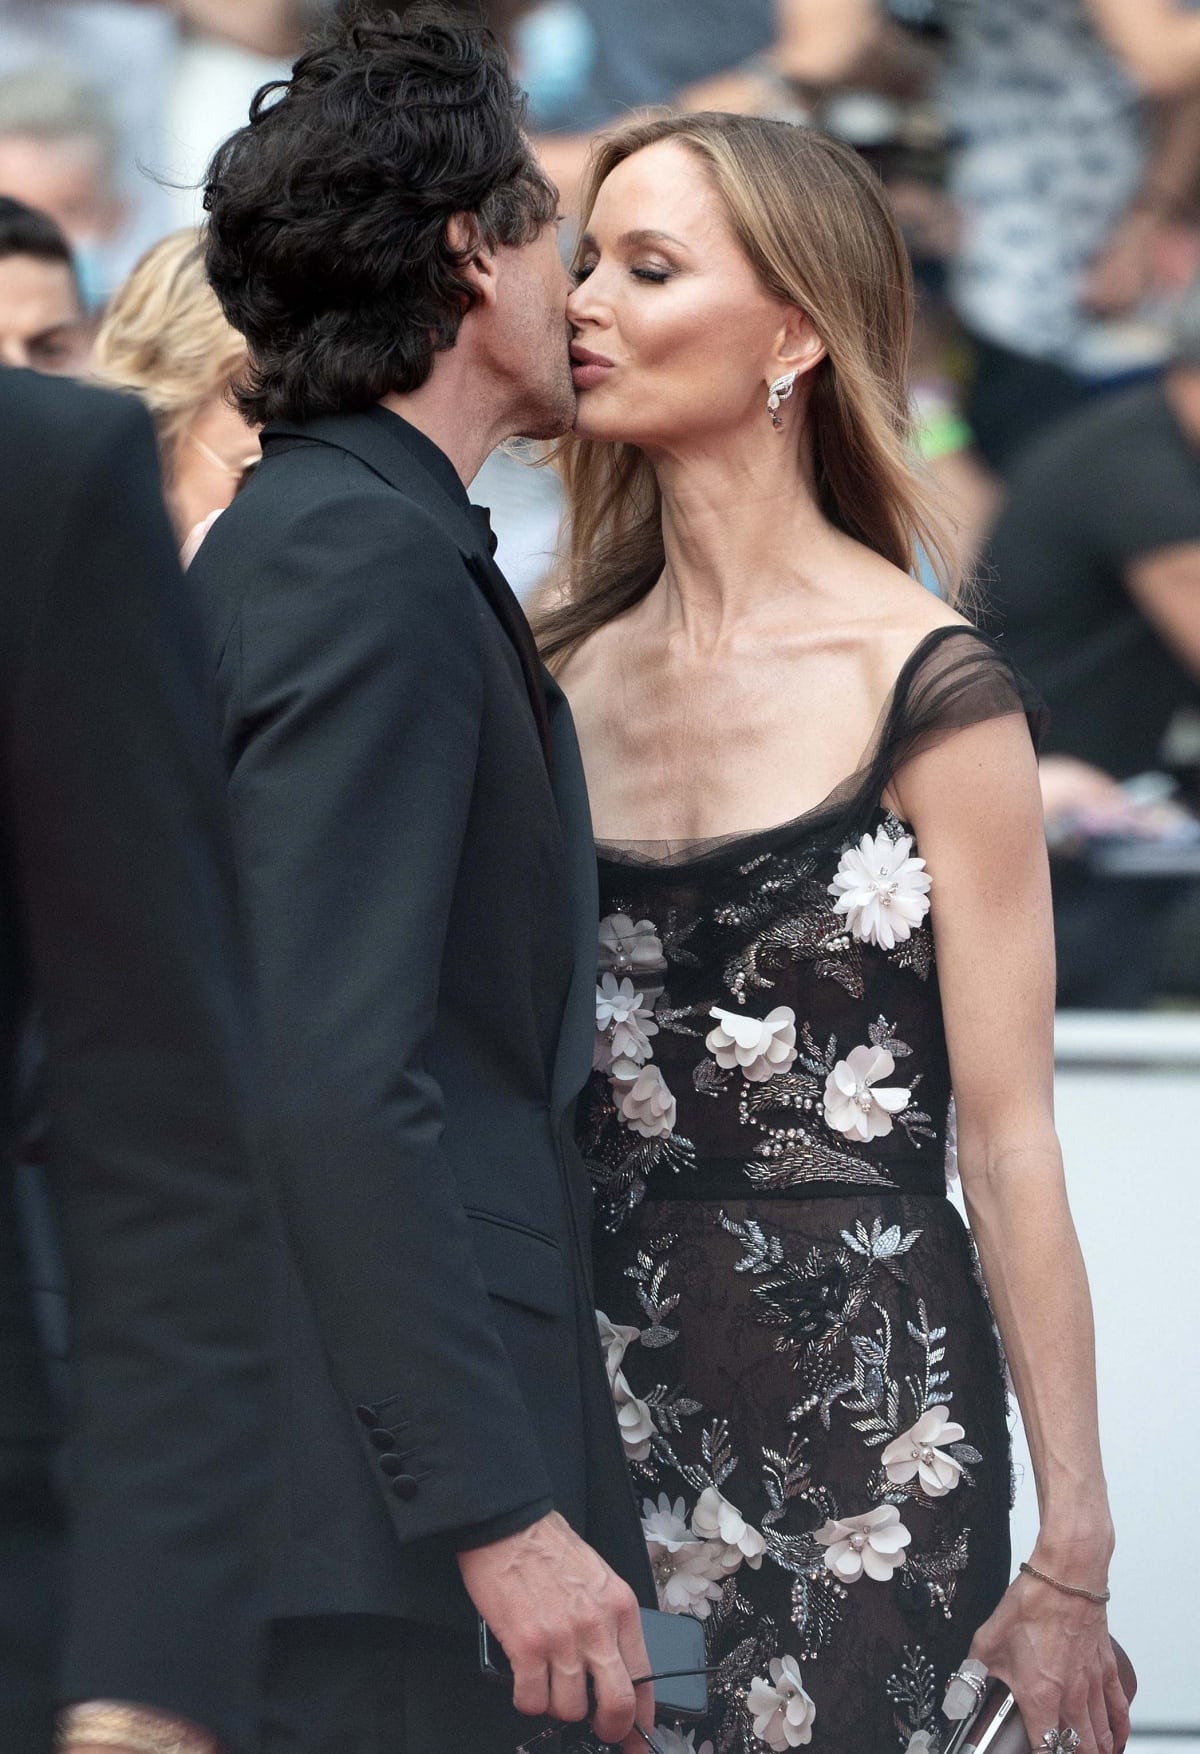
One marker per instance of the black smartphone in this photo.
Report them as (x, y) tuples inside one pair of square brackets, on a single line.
[(678, 1662)]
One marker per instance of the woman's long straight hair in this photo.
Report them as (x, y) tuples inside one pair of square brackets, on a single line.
[(819, 231)]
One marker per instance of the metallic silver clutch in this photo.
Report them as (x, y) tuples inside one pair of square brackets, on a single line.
[(995, 1726)]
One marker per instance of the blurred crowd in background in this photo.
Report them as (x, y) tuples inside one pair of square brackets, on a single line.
[(1044, 158)]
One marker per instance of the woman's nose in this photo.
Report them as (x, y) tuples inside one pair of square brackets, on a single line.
[(584, 305)]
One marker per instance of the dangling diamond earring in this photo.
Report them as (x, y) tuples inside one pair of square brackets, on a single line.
[(779, 392)]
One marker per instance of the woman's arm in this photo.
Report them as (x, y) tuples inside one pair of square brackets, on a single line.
[(975, 805), (1157, 40)]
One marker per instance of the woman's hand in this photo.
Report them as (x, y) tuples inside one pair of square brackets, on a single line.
[(1055, 1653)]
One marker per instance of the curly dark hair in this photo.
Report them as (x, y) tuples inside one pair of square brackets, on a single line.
[(326, 237)]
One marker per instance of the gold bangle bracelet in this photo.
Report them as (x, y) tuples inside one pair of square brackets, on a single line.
[(1066, 1589), (104, 1723)]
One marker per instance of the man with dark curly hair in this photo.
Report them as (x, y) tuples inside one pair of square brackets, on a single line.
[(417, 876)]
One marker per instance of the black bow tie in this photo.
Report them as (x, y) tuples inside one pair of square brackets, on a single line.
[(484, 519)]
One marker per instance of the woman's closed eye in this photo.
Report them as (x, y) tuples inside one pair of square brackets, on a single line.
[(655, 276)]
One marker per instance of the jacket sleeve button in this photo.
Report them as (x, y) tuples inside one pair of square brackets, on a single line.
[(382, 1439), (366, 1417), (404, 1486)]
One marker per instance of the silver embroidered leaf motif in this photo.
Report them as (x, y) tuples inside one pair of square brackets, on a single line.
[(709, 1079), (817, 1600), (719, 1460), (809, 1161), (799, 1554), (658, 1336), (620, 1171), (814, 934), (762, 1252), (674, 936), (942, 1569), (805, 1307), (732, 1605), (917, 1125), (786, 1475), (964, 1453), (932, 1389), (882, 1034), (649, 1273), (826, 1386), (912, 1689), (916, 953), (819, 1061), (677, 1019), (875, 1393), (670, 1408), (879, 1244), (786, 1092)]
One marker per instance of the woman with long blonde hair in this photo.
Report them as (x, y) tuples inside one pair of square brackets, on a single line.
[(825, 907), (165, 338)]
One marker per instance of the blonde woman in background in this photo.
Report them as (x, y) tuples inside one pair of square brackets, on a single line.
[(164, 337)]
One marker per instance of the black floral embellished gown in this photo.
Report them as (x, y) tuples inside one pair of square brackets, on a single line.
[(807, 1375)]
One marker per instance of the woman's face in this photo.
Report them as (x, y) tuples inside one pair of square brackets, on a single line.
[(212, 455), (675, 338)]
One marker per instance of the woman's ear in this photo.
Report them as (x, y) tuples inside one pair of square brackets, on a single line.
[(798, 347), (476, 260)]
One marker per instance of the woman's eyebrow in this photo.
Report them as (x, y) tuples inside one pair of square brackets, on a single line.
[(648, 235), (651, 236)]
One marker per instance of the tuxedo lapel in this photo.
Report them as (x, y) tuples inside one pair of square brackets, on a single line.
[(414, 465), (511, 616), (574, 1058)]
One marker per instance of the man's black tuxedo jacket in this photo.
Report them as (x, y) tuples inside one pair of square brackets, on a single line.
[(418, 880), (139, 1581)]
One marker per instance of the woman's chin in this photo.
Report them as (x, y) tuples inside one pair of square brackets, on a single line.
[(605, 426)]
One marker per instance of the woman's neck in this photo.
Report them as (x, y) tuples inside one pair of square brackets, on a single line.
[(742, 533)]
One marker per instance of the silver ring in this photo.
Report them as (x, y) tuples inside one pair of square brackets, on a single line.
[(976, 1683), (1065, 1741)]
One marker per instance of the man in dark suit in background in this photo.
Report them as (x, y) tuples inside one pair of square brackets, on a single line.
[(418, 883), (129, 1578)]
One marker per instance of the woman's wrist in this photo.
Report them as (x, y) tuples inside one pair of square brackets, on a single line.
[(1077, 1550)]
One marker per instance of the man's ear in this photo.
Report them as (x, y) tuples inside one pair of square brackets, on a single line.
[(476, 258), (798, 347)]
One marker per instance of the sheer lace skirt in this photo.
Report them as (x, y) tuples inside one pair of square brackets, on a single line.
[(814, 1389)]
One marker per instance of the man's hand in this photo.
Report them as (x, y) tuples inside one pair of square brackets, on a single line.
[(562, 1616)]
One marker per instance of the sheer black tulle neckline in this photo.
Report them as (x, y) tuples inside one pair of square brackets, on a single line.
[(947, 669)]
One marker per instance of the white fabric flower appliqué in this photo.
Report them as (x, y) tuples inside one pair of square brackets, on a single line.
[(615, 1341), (630, 945), (915, 1454), (760, 1046), (634, 1420), (881, 890), (643, 1101), (873, 1542), (782, 1711), (855, 1102), (675, 1742), (715, 1519), (687, 1571), (624, 1024)]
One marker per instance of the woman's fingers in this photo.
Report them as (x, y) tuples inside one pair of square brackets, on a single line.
[(1098, 1714), (1115, 1702)]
